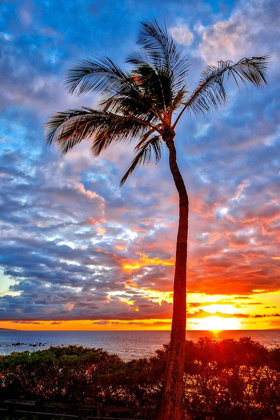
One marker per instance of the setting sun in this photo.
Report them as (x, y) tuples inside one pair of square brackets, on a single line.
[(216, 323)]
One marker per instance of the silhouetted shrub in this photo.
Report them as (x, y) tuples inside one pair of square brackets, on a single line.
[(228, 376), (232, 376)]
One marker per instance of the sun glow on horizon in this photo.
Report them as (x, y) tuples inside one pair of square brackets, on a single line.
[(216, 323), (213, 313)]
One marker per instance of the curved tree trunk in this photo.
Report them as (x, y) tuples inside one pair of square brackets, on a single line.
[(171, 407)]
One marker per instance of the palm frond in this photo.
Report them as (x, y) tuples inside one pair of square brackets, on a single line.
[(95, 76), (252, 70), (117, 129), (179, 98), (211, 92), (64, 124), (107, 78), (149, 80), (70, 128), (156, 85), (144, 139), (158, 45), (144, 155), (162, 53), (138, 106)]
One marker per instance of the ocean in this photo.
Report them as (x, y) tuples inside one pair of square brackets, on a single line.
[(127, 344)]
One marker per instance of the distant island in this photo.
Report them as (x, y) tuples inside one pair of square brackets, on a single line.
[(8, 329)]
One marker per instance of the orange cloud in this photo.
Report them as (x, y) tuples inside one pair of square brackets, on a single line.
[(120, 248), (130, 284), (145, 261)]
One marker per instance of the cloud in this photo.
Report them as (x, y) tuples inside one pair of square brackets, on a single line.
[(27, 322), (251, 30), (181, 33), (204, 314), (145, 261)]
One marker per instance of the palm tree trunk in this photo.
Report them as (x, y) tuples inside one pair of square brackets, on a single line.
[(171, 406)]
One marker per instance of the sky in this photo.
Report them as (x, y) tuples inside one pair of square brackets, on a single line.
[(80, 252)]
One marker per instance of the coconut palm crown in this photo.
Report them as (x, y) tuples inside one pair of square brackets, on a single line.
[(145, 105)]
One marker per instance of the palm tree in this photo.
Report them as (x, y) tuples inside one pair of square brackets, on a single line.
[(145, 104)]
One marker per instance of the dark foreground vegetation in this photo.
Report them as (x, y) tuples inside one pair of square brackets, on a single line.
[(240, 377)]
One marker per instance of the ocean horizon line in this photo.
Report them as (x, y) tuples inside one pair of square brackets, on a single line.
[(139, 330)]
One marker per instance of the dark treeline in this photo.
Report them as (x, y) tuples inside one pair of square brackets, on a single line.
[(228, 376)]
